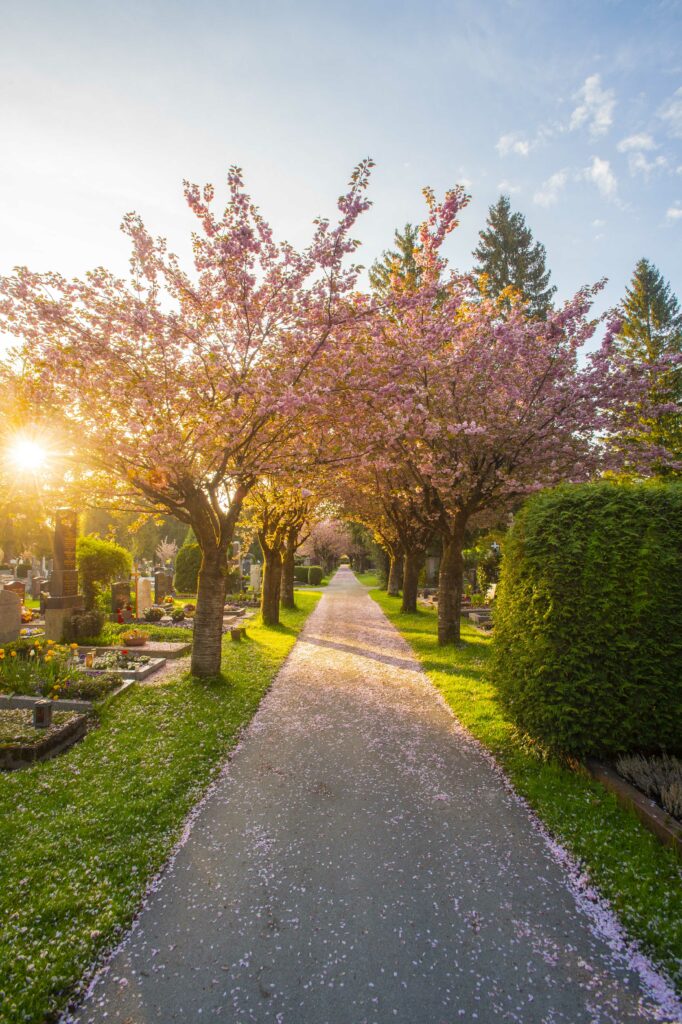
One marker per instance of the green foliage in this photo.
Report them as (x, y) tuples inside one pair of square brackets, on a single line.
[(187, 565), (639, 876), (22, 570), (81, 625), (507, 255), (400, 261), (153, 614), (128, 786), (177, 615), (99, 562), (315, 575), (301, 573), (588, 622), (652, 327)]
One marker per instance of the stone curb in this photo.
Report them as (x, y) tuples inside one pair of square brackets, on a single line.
[(658, 821)]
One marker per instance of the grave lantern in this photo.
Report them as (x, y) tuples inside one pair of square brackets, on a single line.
[(42, 714)]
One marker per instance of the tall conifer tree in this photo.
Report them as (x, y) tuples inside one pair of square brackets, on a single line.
[(508, 256), (652, 327), (399, 261)]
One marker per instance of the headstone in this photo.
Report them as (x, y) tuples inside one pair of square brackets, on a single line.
[(144, 596), (38, 585), (10, 616), (254, 578), (17, 587), (64, 579), (120, 594), (161, 587), (42, 714), (64, 598)]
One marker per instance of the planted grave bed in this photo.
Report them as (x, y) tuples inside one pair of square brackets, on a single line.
[(37, 669), (121, 663), (21, 744)]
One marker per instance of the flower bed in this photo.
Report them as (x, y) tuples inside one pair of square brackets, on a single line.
[(45, 669)]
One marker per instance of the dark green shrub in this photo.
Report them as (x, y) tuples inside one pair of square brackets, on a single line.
[(153, 614), (177, 615), (301, 573), (315, 574), (588, 622), (99, 562), (82, 625), (22, 570), (187, 565)]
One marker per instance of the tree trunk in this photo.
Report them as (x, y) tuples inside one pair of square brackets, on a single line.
[(208, 619), (414, 561), (288, 572), (450, 586), (272, 581), (395, 573)]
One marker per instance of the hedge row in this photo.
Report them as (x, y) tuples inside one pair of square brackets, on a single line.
[(311, 574), (588, 619)]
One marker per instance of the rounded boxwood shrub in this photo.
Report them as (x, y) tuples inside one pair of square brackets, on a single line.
[(587, 652), (301, 573), (315, 574), (187, 565)]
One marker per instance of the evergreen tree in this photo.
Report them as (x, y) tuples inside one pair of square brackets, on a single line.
[(507, 255), (399, 260), (652, 327)]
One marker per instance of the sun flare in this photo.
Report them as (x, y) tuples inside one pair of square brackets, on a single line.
[(26, 455)]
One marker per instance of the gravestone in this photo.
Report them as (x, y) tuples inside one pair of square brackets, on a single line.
[(120, 594), (254, 578), (10, 616), (144, 596), (64, 598), (161, 586), (38, 585), (17, 587)]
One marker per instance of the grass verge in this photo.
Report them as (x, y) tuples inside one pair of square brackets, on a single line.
[(81, 835), (368, 579), (640, 877)]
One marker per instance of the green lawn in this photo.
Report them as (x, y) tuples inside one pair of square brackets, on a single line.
[(368, 579), (81, 835), (640, 877)]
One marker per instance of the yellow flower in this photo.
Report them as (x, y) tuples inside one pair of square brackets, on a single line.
[(50, 643), (2, 655), (12, 653), (74, 647)]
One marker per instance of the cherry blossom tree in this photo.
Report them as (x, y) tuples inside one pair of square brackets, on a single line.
[(478, 404), (276, 513), (186, 387)]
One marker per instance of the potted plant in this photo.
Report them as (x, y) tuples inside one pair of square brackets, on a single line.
[(134, 638)]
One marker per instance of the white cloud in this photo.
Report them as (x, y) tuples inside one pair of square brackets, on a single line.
[(638, 164), (674, 212), (513, 143), (639, 141), (548, 193), (598, 223), (596, 108), (671, 113), (600, 174), (508, 188)]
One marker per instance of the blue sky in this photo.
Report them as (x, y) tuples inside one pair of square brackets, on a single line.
[(574, 109)]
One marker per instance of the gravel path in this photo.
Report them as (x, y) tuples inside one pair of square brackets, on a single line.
[(361, 861)]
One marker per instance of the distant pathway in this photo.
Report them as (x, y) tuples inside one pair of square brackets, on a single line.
[(362, 862)]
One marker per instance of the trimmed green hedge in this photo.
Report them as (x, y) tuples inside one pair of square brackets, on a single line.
[(315, 574), (588, 619), (301, 573)]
